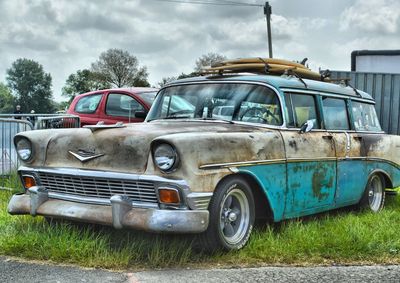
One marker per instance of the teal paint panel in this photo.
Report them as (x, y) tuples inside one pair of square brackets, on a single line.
[(352, 179), (272, 179), (391, 170), (311, 185)]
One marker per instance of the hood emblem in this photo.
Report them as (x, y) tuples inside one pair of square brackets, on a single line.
[(84, 155)]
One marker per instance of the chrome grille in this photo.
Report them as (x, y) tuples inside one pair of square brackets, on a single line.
[(139, 191)]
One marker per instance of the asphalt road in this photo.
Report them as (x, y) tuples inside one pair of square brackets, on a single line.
[(16, 271)]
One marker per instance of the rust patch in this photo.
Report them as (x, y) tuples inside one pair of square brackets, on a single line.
[(369, 143), (293, 144), (319, 183)]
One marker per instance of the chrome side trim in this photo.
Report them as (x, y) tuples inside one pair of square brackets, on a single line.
[(376, 159), (348, 144), (231, 165), (296, 160), (262, 162), (241, 163)]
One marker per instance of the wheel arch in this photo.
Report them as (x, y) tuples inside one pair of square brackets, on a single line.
[(385, 175), (263, 207)]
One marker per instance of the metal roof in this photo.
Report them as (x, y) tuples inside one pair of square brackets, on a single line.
[(284, 82)]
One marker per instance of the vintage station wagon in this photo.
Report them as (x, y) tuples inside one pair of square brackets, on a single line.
[(215, 153)]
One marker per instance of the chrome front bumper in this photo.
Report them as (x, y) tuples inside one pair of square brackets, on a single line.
[(120, 214)]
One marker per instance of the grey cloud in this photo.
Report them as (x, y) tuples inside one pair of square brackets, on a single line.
[(365, 16), (26, 38), (66, 36)]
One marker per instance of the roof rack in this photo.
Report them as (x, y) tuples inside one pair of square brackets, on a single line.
[(269, 66)]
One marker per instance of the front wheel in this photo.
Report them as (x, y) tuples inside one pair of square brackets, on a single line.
[(374, 194), (231, 216)]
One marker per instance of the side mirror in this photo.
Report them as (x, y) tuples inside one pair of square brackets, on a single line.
[(140, 114), (306, 127)]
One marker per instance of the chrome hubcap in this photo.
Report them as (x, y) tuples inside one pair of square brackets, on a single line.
[(235, 216), (375, 193)]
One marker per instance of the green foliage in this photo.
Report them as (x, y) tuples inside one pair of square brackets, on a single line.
[(80, 82), (165, 81), (31, 86), (120, 69), (338, 237), (206, 60), (7, 101)]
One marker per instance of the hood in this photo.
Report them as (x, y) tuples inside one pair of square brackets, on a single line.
[(123, 149)]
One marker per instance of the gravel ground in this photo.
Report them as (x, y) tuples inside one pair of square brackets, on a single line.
[(16, 271)]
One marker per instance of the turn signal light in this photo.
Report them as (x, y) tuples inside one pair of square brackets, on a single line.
[(29, 181), (169, 196)]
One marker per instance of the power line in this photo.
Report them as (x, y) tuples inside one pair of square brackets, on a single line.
[(204, 2)]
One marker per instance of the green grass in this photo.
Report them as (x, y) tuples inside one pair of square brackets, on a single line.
[(10, 181), (340, 237)]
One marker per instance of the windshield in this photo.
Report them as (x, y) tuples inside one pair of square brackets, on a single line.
[(148, 97), (220, 101)]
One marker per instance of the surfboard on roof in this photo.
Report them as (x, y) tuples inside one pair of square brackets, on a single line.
[(270, 66)]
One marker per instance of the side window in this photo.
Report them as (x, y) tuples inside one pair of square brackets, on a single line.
[(122, 105), (365, 118), (335, 114), (301, 107), (88, 104)]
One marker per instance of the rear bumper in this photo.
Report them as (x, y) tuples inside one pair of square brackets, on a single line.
[(120, 214)]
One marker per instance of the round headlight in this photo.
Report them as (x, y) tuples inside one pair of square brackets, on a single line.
[(24, 148), (165, 157)]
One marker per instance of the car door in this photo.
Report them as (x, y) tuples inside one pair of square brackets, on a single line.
[(311, 159), (348, 149), (121, 107)]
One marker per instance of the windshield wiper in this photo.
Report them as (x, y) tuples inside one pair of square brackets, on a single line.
[(175, 117), (216, 119), (170, 118)]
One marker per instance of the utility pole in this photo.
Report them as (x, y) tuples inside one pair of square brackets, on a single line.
[(267, 13)]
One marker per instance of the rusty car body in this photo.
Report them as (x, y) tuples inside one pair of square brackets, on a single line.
[(284, 147)]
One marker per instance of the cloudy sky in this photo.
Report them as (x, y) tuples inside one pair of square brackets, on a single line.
[(67, 35)]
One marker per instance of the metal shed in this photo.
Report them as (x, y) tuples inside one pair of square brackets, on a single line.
[(385, 89)]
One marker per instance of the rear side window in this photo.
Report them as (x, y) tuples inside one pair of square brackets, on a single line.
[(122, 105), (301, 108), (365, 118), (335, 114), (88, 104)]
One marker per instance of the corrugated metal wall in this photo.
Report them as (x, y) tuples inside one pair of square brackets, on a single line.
[(385, 89)]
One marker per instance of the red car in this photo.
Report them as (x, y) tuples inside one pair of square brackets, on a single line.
[(128, 105)]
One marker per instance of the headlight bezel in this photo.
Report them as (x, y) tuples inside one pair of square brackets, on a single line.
[(157, 147), (22, 155)]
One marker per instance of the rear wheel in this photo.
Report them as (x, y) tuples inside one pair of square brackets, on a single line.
[(374, 194), (232, 216)]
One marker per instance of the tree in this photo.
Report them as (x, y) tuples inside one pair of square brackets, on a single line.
[(80, 82), (62, 106), (120, 69), (7, 101), (31, 86), (165, 81), (207, 60)]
